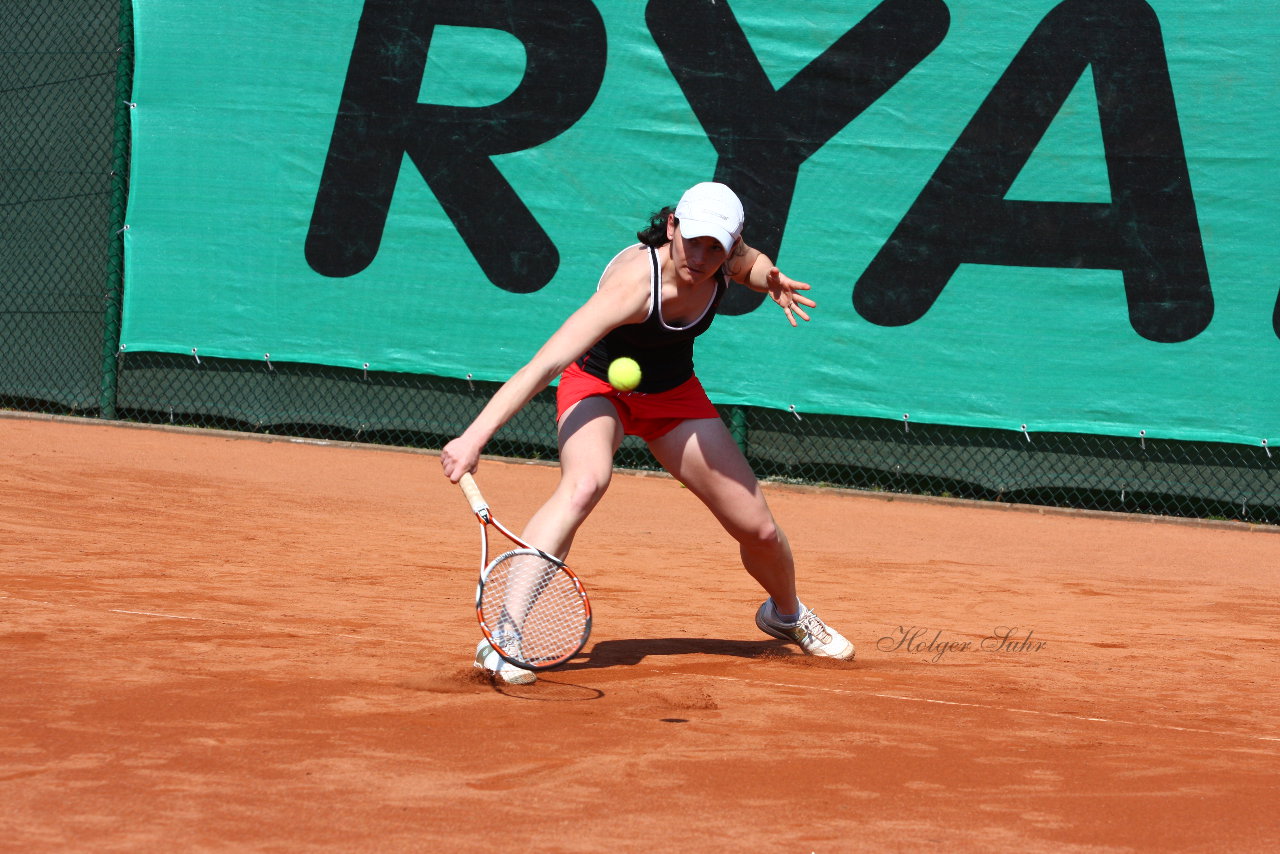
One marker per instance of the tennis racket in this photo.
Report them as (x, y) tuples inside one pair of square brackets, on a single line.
[(531, 607)]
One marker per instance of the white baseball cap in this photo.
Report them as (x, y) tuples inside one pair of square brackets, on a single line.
[(711, 210)]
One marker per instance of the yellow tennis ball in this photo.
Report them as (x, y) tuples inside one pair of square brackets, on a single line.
[(624, 374)]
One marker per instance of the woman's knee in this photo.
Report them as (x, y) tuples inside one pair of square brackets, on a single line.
[(760, 533), (583, 490)]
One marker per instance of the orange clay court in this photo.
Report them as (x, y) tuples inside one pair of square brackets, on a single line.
[(214, 642)]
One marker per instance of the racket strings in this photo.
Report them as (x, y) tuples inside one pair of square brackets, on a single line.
[(535, 612)]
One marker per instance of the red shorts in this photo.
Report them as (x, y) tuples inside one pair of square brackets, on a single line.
[(649, 416)]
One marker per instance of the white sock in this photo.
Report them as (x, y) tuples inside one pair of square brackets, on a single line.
[(789, 619)]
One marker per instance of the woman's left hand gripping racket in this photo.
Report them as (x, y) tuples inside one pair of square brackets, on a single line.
[(531, 607)]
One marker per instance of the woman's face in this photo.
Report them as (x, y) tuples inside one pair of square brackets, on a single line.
[(696, 258)]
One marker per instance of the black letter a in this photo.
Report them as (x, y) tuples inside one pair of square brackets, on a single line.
[(1148, 230)]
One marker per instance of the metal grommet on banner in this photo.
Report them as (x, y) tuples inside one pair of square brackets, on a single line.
[(470, 383), (1266, 448), (267, 358), (366, 371), (196, 354), (906, 422), (793, 412), (1142, 439), (1025, 433)]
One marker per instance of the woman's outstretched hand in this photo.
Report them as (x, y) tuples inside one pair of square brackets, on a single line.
[(784, 291)]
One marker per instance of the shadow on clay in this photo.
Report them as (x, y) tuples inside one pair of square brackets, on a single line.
[(631, 651)]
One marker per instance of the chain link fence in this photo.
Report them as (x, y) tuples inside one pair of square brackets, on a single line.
[(1139, 475), (64, 88), (63, 69)]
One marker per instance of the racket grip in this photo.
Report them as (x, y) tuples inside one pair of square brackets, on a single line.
[(472, 491)]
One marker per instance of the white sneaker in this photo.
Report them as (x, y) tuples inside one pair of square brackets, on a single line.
[(814, 636), (488, 659)]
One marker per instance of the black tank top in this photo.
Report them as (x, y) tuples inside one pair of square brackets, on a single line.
[(664, 352)]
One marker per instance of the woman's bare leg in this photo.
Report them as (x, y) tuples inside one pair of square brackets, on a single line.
[(702, 455), (589, 435)]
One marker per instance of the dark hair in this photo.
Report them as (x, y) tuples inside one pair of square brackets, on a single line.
[(655, 233)]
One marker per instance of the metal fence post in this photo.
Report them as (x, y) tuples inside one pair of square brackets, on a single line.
[(114, 290), (738, 426)]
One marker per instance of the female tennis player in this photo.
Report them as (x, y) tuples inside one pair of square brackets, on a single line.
[(652, 300)]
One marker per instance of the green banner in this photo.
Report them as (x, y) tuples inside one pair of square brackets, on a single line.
[(1019, 215)]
